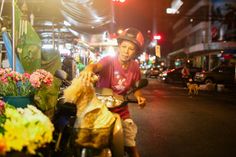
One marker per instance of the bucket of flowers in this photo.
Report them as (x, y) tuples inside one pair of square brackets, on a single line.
[(18, 89), (23, 130)]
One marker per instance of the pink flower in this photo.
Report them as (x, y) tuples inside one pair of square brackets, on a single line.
[(41, 77), (35, 80), (13, 83), (15, 76), (25, 77), (4, 79)]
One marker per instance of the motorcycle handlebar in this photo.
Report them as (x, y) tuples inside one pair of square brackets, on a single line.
[(125, 103), (66, 82), (132, 101)]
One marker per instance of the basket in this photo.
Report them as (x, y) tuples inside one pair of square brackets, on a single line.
[(93, 137)]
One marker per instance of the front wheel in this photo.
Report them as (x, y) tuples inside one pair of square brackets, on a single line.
[(88, 152), (84, 152)]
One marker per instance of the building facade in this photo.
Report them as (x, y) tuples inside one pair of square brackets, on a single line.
[(205, 35)]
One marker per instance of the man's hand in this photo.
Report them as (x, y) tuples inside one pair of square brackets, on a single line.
[(140, 98), (87, 77), (141, 102), (88, 74)]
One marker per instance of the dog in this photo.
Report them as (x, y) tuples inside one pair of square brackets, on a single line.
[(192, 88)]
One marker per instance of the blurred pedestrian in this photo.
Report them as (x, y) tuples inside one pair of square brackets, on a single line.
[(185, 75)]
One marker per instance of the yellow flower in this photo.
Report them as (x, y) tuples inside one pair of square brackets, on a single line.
[(26, 128)]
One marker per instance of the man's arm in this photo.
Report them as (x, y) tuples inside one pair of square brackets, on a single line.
[(94, 68)]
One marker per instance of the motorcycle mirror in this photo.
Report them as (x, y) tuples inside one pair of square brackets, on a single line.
[(61, 74), (138, 85)]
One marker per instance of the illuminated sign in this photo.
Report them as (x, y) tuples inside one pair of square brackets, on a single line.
[(175, 5)]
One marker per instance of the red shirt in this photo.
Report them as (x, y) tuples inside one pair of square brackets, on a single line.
[(120, 80)]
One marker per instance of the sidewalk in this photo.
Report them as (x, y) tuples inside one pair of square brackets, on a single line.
[(222, 94)]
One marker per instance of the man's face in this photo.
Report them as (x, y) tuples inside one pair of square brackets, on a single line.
[(127, 51)]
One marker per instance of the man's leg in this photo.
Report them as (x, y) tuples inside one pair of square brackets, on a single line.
[(130, 131)]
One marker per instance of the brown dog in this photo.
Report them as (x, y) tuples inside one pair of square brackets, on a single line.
[(192, 88)]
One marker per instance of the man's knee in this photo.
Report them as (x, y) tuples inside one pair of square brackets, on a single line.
[(130, 131)]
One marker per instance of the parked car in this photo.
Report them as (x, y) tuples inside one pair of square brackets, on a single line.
[(153, 72), (174, 75), (220, 74), (145, 71)]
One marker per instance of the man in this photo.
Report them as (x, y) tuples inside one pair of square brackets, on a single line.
[(120, 74)]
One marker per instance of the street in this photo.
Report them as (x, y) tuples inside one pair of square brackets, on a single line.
[(174, 124)]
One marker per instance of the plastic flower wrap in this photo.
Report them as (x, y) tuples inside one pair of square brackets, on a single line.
[(13, 83), (22, 129)]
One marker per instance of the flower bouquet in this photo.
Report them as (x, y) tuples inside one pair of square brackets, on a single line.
[(23, 129), (15, 84)]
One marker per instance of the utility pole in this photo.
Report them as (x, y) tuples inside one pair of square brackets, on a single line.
[(13, 36), (209, 30)]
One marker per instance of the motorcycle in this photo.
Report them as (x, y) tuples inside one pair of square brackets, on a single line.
[(66, 133), (63, 120)]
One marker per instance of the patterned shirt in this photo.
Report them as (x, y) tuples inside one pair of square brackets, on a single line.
[(120, 80)]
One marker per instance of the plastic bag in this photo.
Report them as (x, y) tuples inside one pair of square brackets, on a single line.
[(94, 121)]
